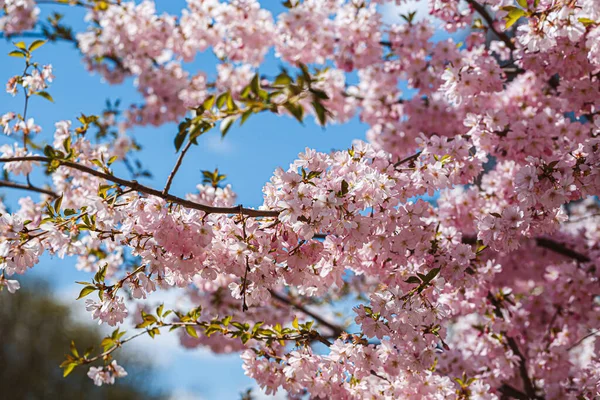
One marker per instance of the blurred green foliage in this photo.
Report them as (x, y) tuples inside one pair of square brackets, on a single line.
[(35, 333)]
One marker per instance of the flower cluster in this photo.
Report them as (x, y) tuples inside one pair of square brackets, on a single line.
[(106, 375)]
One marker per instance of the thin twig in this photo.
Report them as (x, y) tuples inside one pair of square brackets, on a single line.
[(135, 185), (176, 168), (546, 243), (31, 188), (490, 21), (407, 159), (245, 286), (589, 335), (337, 331), (529, 386)]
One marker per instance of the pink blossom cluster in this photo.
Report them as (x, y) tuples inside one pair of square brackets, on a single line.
[(106, 375), (18, 15)]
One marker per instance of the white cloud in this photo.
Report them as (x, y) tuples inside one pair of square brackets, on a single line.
[(215, 144)]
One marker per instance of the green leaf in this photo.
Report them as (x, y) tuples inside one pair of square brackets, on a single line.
[(74, 349), (282, 79), (85, 291), (179, 139), (208, 103), (432, 274), (222, 99), (226, 124), (45, 95), (36, 45), (245, 115), (321, 112), (522, 3), (513, 16), (58, 203), (17, 53), (231, 106), (305, 73), (117, 334), (144, 324), (107, 343), (295, 323), (296, 110), (319, 94), (68, 369), (238, 326), (413, 279), (245, 337), (101, 274), (344, 188), (255, 84), (586, 21), (153, 332), (21, 45), (191, 331)]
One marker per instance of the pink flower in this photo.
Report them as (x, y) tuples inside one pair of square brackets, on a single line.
[(11, 285), (110, 310), (11, 85), (107, 374)]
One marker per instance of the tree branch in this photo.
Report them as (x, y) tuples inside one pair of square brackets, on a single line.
[(546, 243), (549, 244), (510, 391), (31, 188), (490, 21), (529, 386), (410, 158), (589, 335), (176, 168), (135, 185), (561, 249), (337, 331)]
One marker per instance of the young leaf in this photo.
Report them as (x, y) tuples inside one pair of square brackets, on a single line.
[(68, 369), (413, 279), (191, 331), (17, 53), (513, 16), (45, 95), (36, 45), (226, 124), (85, 291), (344, 188), (179, 139), (321, 112), (522, 3)]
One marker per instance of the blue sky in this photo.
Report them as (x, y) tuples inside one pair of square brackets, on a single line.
[(248, 155)]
